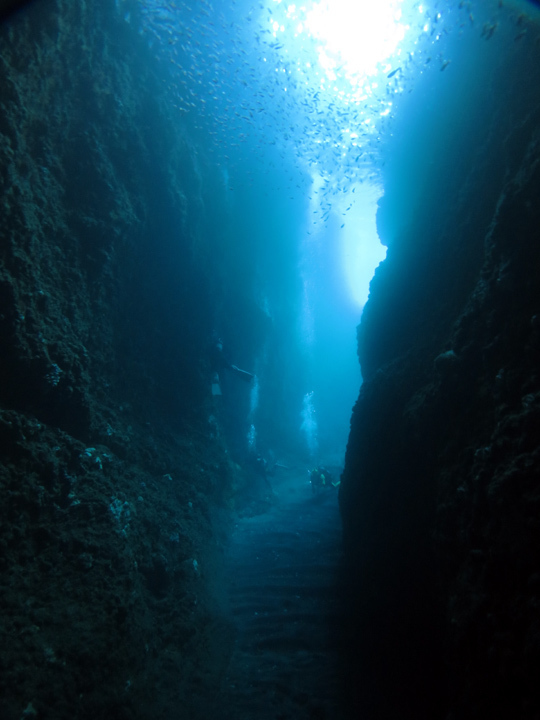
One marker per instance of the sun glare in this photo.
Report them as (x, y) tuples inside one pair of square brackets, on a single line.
[(350, 57), (354, 53), (360, 34)]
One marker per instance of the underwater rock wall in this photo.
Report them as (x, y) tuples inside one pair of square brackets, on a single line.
[(440, 493), (108, 469)]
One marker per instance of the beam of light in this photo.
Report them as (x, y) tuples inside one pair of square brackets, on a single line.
[(361, 248), (351, 225), (309, 424), (353, 45)]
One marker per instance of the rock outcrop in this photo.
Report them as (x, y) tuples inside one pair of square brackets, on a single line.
[(440, 494), (111, 477)]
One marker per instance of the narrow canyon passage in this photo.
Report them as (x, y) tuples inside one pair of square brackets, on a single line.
[(236, 231), (282, 566)]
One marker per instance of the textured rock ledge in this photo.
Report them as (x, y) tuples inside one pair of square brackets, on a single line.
[(109, 552), (440, 494)]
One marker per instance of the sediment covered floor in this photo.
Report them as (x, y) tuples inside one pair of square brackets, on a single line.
[(282, 567)]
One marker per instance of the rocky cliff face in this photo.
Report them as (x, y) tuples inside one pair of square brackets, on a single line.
[(440, 494), (109, 468)]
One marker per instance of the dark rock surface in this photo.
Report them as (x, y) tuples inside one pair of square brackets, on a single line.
[(109, 548), (440, 494)]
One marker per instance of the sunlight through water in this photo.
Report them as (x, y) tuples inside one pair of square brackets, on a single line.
[(361, 34), (354, 47), (307, 90)]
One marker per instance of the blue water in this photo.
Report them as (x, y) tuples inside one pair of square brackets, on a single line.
[(219, 182), (294, 152)]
